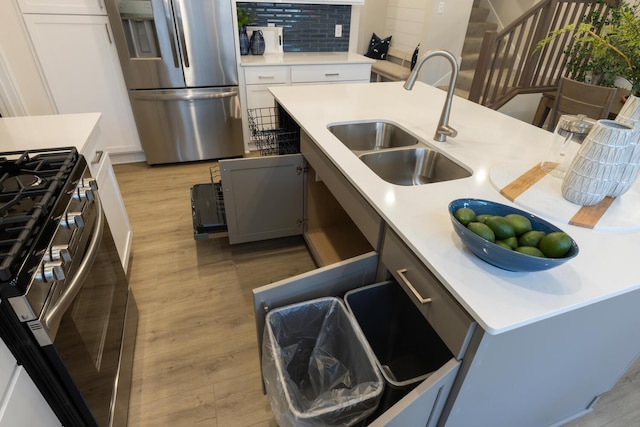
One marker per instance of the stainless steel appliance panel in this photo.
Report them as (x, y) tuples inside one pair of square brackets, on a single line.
[(188, 124), (147, 42), (205, 35), (174, 43)]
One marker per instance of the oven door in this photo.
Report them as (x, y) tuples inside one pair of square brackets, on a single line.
[(87, 327)]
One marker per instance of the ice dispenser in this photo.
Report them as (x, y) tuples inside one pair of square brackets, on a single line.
[(139, 28)]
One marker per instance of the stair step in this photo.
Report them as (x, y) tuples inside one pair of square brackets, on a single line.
[(479, 14), (477, 29), (469, 61), (471, 45), (465, 78)]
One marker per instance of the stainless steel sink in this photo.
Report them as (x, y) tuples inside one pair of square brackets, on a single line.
[(374, 135), (414, 166)]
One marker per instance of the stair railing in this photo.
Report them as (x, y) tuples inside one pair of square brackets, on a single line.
[(509, 63)]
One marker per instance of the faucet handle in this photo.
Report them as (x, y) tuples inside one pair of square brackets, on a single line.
[(444, 131)]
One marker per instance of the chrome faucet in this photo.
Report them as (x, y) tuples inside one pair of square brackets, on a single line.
[(444, 129)]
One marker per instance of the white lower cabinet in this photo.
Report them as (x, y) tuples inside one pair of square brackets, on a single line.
[(99, 163), (21, 404)]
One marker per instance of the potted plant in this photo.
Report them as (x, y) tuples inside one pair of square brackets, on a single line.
[(605, 47)]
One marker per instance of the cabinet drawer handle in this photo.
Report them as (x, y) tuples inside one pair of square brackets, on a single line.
[(331, 74), (266, 77), (406, 281), (97, 157)]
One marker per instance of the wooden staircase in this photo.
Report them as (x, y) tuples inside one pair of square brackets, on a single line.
[(508, 63), (476, 29)]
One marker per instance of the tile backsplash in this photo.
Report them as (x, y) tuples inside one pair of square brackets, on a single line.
[(306, 27)]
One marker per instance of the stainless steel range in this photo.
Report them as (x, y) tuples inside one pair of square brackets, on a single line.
[(66, 311)]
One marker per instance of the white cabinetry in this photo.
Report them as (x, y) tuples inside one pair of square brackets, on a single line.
[(68, 7), (80, 67), (256, 81), (99, 163), (312, 1), (21, 404)]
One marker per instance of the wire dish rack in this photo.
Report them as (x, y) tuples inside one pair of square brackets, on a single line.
[(273, 131), (207, 207)]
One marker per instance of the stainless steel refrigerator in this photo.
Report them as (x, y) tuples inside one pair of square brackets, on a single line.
[(179, 62)]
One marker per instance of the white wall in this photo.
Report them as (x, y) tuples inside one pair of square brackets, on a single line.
[(405, 21), (19, 63), (503, 12)]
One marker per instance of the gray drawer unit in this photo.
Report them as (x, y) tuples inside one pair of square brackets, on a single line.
[(452, 323)]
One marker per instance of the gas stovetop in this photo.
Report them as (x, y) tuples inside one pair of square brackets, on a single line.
[(35, 187)]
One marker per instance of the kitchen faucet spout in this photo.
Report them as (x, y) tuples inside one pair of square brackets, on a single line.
[(444, 129)]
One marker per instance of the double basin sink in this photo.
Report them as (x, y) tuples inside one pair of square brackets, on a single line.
[(395, 155)]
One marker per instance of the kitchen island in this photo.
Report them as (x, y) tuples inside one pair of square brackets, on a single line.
[(548, 343)]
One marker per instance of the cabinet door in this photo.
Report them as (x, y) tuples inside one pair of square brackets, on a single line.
[(24, 405), (263, 197), (114, 209), (67, 7), (334, 280), (80, 67), (423, 405), (258, 96)]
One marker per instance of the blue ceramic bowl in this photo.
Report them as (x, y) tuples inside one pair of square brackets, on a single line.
[(496, 255)]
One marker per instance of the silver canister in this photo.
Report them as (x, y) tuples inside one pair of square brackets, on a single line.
[(569, 134)]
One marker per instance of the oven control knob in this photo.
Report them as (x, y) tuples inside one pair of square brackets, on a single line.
[(58, 253), (72, 220), (83, 193), (50, 271), (88, 183)]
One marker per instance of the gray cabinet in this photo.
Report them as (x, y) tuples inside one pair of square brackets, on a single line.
[(263, 197), (328, 198)]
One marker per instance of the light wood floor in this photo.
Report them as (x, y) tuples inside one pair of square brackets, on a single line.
[(196, 360)]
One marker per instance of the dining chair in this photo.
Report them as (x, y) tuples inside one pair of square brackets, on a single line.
[(573, 97)]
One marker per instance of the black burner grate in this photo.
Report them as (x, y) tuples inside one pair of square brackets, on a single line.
[(30, 183)]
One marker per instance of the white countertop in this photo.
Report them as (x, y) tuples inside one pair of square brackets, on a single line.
[(304, 58), (38, 132), (499, 300)]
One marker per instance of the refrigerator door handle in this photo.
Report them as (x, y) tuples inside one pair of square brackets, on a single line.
[(173, 96), (172, 35), (183, 40)]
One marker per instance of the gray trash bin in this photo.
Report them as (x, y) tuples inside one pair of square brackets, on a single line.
[(406, 347), (317, 367)]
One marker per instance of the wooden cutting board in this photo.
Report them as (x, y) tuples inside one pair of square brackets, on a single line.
[(530, 187)]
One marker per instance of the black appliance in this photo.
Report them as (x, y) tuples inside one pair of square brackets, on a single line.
[(66, 311)]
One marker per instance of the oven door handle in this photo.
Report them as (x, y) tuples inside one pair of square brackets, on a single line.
[(54, 315)]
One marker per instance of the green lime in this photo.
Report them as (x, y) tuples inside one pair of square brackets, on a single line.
[(531, 238), (530, 250), (555, 245), (501, 227), (465, 215), (511, 241), (482, 230), (482, 218), (521, 224), (503, 244)]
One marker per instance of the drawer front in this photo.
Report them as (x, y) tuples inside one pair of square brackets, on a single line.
[(330, 73), (362, 214), (258, 96), (266, 75), (454, 325)]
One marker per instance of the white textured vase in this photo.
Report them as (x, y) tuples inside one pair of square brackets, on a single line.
[(630, 114), (597, 168)]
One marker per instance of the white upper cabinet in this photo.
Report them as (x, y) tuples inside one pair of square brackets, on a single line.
[(79, 64), (65, 7)]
